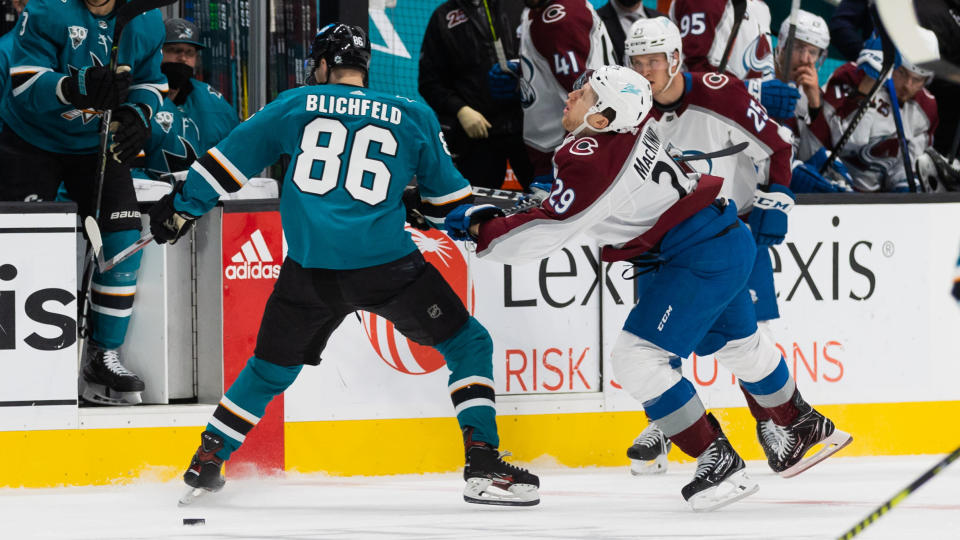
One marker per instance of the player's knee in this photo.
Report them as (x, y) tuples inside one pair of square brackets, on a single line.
[(642, 368), (471, 341), (751, 358)]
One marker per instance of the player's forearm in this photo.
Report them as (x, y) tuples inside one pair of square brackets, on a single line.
[(40, 94), (197, 197)]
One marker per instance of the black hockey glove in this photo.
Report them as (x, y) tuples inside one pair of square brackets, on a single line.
[(130, 125), (411, 201), (95, 87), (166, 224)]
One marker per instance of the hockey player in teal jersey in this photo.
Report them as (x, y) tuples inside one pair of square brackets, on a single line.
[(6, 44), (172, 147), (60, 83), (212, 114), (353, 151)]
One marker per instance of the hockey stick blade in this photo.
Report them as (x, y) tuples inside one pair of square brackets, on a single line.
[(127, 252), (129, 10), (728, 151), (96, 241)]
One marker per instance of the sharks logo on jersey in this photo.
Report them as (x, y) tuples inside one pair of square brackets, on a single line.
[(87, 115), (77, 35), (177, 162)]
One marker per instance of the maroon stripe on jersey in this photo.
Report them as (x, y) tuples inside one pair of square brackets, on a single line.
[(696, 45), (561, 34), (707, 190), (842, 91), (928, 104)]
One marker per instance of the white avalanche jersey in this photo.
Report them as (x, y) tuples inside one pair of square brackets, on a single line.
[(558, 43), (716, 112), (705, 27), (873, 152), (620, 188), (805, 143)]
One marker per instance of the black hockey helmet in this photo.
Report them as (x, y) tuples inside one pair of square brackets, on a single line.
[(182, 31), (341, 45)]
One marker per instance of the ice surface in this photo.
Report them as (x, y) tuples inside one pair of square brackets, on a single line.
[(576, 503)]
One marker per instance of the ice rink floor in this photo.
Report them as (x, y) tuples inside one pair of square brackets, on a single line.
[(575, 503)]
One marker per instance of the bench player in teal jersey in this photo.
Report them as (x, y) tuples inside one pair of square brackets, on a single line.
[(59, 84), (353, 151)]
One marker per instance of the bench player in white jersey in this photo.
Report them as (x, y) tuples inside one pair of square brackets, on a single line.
[(559, 40), (873, 153), (811, 40), (706, 26), (616, 183), (699, 113)]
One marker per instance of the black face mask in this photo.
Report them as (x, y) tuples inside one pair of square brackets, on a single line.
[(628, 3), (178, 77)]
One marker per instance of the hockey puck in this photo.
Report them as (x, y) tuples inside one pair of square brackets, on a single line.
[(194, 521)]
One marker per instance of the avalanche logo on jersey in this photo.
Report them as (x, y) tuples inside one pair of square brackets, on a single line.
[(527, 94), (758, 58), (584, 147), (77, 35), (164, 119)]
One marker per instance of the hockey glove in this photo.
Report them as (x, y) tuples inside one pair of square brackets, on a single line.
[(166, 223), (503, 84), (411, 202), (806, 179), (870, 60), (768, 220), (837, 173), (936, 174), (130, 125), (459, 220), (94, 87), (779, 98)]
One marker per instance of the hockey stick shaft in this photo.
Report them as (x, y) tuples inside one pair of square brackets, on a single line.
[(857, 116), (96, 244), (904, 147), (900, 496), (786, 63), (728, 151), (127, 252), (497, 45), (739, 8)]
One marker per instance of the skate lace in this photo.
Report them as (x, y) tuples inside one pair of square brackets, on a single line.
[(706, 461), (111, 360), (777, 438), (650, 437), (512, 468)]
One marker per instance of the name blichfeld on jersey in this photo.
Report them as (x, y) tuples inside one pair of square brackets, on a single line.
[(354, 107)]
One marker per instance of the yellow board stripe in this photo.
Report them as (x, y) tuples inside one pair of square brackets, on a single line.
[(355, 447)]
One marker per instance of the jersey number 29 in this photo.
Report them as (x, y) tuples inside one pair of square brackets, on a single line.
[(358, 164)]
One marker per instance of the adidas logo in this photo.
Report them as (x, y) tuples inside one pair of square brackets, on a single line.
[(252, 261)]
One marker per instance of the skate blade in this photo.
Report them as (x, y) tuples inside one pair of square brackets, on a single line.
[(99, 394), (828, 446), (731, 490), (191, 495), (482, 491), (639, 467)]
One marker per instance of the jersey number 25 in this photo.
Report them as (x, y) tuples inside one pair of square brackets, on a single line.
[(357, 165)]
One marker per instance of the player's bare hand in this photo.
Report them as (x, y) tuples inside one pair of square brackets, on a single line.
[(806, 78), (474, 123)]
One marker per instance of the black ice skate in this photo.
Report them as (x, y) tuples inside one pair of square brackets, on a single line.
[(720, 478), (490, 480), (648, 455), (786, 446), (203, 475), (105, 381)]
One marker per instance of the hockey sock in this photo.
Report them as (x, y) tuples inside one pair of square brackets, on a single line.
[(680, 414), (774, 394), (246, 400), (111, 293), (469, 356)]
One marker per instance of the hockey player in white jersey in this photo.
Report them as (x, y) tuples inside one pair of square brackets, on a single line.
[(559, 40), (811, 40), (873, 153), (616, 182), (698, 113), (706, 27)]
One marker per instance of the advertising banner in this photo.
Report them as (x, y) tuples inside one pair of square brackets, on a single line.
[(38, 320)]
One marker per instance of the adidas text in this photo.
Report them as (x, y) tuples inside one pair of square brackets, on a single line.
[(248, 270)]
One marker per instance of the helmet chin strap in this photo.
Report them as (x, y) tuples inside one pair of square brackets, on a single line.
[(583, 123), (674, 70)]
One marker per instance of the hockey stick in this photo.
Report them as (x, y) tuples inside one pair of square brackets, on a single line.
[(904, 149), (96, 243), (739, 8), (497, 44), (900, 19), (788, 46), (900, 496), (728, 151)]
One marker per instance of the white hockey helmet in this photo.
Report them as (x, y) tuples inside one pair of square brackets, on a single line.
[(932, 43), (811, 29), (621, 89), (657, 35)]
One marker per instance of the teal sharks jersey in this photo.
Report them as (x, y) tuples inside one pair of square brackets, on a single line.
[(6, 44), (213, 115), (173, 144), (55, 38), (352, 152)]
